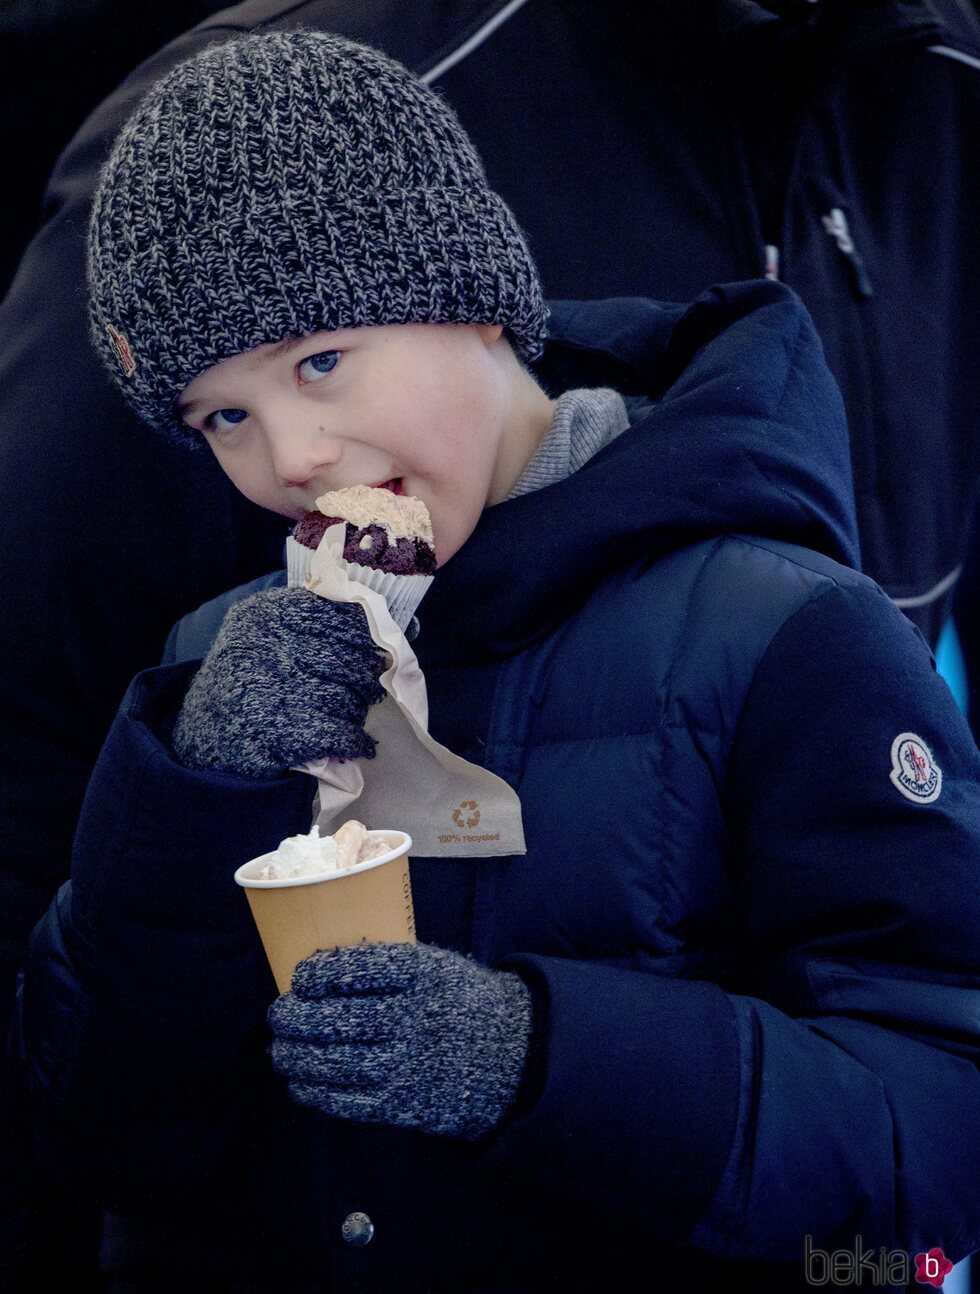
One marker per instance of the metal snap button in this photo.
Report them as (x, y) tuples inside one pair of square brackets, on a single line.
[(358, 1229)]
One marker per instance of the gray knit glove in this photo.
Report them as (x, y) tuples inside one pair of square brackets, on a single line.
[(289, 678), (404, 1034)]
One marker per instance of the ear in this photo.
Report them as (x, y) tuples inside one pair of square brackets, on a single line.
[(490, 332)]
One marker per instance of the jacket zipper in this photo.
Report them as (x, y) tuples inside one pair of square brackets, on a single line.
[(816, 92), (835, 223)]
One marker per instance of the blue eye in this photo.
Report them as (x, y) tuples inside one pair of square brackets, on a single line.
[(229, 416), (316, 366)]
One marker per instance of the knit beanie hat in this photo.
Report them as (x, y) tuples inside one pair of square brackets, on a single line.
[(281, 183)]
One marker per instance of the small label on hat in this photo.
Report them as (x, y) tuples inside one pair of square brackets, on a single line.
[(123, 350)]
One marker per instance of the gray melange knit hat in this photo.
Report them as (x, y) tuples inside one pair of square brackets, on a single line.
[(282, 183)]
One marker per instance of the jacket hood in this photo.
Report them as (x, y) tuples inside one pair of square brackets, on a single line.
[(736, 425)]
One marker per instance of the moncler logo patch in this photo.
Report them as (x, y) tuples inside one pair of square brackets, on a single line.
[(123, 350), (915, 774)]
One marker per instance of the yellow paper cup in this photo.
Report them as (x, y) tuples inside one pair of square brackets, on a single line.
[(297, 916)]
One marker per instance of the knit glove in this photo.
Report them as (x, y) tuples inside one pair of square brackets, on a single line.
[(404, 1034), (289, 679)]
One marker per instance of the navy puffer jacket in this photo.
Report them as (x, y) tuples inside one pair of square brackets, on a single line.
[(749, 913)]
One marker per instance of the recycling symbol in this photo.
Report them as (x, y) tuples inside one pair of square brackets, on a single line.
[(474, 814)]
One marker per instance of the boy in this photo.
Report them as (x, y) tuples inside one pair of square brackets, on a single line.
[(725, 1006)]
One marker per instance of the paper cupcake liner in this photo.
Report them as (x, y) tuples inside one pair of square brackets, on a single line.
[(402, 593), (298, 558)]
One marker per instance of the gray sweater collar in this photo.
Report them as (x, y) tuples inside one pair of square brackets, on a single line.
[(584, 421)]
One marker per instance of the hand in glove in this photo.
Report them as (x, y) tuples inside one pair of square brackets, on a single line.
[(289, 678), (404, 1034)]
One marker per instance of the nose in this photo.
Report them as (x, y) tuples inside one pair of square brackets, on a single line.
[(301, 451)]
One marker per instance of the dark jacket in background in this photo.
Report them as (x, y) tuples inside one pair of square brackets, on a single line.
[(58, 58), (646, 149), (753, 1021)]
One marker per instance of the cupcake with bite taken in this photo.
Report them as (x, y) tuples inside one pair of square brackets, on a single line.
[(388, 544)]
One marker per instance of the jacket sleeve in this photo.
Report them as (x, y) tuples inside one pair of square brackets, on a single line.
[(833, 1091), (142, 1006)]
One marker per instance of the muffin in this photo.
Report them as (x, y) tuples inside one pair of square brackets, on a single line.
[(388, 544), (385, 531)]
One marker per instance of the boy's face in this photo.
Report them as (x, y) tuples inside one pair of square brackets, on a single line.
[(423, 409)]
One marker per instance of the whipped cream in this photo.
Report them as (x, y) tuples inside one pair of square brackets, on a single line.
[(315, 855), (402, 515)]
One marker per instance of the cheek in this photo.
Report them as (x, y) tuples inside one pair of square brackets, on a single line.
[(460, 485), (442, 425), (447, 403), (455, 433)]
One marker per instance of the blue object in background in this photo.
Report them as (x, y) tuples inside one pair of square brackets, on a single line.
[(949, 662)]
